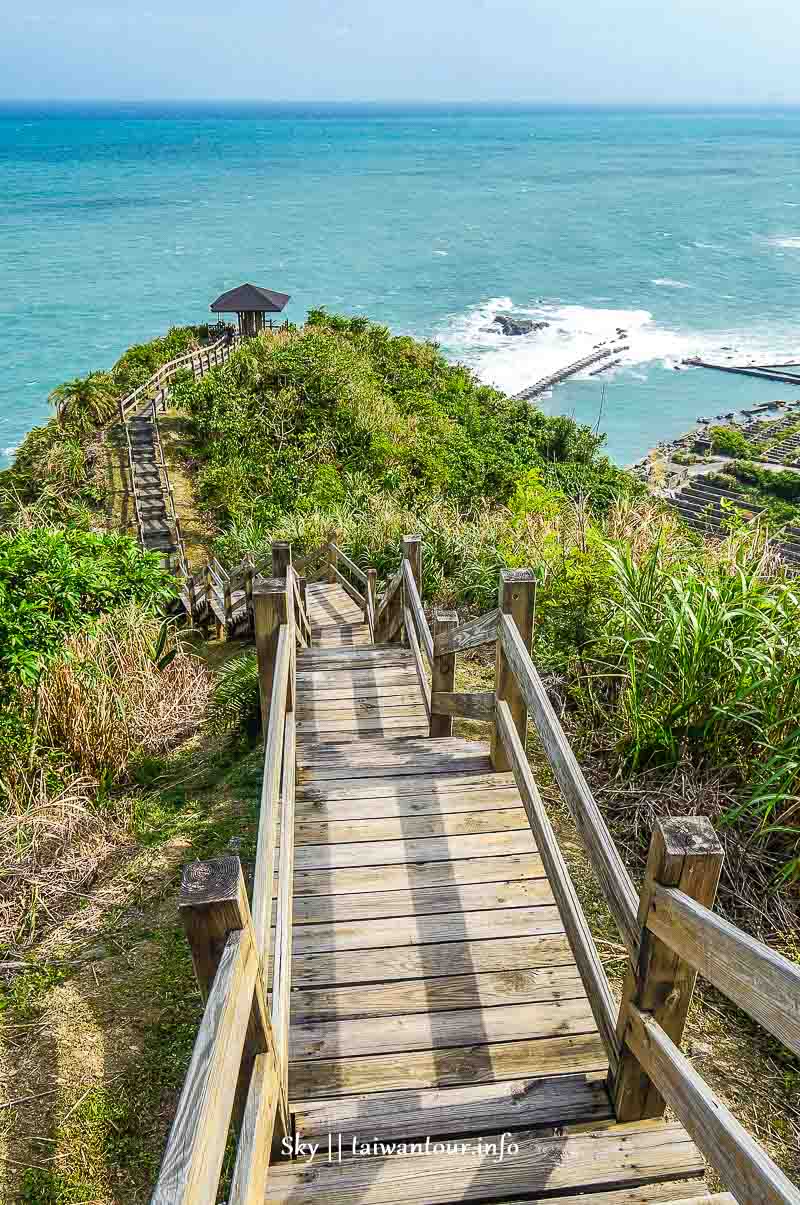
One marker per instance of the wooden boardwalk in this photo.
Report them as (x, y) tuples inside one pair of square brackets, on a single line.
[(434, 992), (424, 1018)]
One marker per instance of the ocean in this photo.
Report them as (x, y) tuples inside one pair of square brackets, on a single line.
[(681, 227)]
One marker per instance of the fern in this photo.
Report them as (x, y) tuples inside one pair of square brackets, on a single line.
[(234, 706)]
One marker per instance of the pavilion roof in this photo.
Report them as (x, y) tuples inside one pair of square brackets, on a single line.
[(247, 298)]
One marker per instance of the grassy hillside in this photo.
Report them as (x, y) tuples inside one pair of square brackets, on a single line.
[(673, 663)]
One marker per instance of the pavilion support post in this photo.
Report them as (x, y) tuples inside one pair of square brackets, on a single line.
[(684, 853), (516, 595)]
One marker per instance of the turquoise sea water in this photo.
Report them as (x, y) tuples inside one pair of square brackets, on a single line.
[(681, 227)]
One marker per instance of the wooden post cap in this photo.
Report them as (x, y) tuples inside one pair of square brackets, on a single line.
[(686, 837), (269, 585), (214, 881)]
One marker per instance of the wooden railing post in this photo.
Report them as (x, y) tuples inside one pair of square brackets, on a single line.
[(684, 853), (213, 904), (371, 600), (412, 552), (228, 604), (269, 612), (281, 557), (209, 592), (443, 676), (332, 557), (516, 595), (249, 574)]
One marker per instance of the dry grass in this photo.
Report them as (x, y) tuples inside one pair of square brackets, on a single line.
[(51, 845), (107, 701)]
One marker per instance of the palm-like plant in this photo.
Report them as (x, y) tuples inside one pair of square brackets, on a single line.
[(85, 403)]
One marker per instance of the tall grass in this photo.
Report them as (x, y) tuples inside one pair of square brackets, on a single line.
[(707, 661), (125, 688)]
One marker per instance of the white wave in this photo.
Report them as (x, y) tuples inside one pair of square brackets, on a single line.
[(666, 283), (514, 362), (441, 253), (792, 243), (10, 451)]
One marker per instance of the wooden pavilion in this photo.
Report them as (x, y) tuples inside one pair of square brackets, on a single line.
[(250, 303)]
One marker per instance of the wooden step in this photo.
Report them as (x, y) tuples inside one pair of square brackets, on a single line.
[(411, 876), (399, 1116), (610, 1160), (452, 957)]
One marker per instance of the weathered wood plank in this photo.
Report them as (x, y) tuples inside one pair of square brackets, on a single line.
[(364, 696), (608, 1159), (475, 706), (761, 981), (344, 715), (319, 772), (422, 1031), (461, 799), (403, 876), (472, 897), (557, 1100), (743, 1165), (394, 728), (399, 785), (446, 992), (418, 962), (379, 675), (451, 824), (255, 1137), (192, 1160), (447, 1065), (482, 630), (578, 932), (606, 861), (383, 933), (425, 849), (431, 749)]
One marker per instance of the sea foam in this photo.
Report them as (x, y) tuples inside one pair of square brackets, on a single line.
[(513, 362)]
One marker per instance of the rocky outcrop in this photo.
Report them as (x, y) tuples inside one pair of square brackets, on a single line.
[(519, 326)]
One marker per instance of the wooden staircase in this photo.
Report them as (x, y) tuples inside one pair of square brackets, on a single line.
[(434, 995), (408, 1004)]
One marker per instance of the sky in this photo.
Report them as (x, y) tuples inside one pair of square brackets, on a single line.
[(578, 51)]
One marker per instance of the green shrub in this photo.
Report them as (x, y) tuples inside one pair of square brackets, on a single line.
[(294, 423), (52, 581), (728, 441)]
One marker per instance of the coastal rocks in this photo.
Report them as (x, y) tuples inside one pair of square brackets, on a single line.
[(519, 326)]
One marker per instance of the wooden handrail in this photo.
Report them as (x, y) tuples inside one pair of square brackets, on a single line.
[(762, 982), (417, 611), (171, 368), (422, 677), (744, 1165), (351, 565), (577, 929), (611, 871), (471, 635)]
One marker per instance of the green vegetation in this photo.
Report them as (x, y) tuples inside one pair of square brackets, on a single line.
[(346, 414), (122, 754), (730, 441), (54, 471), (53, 581)]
